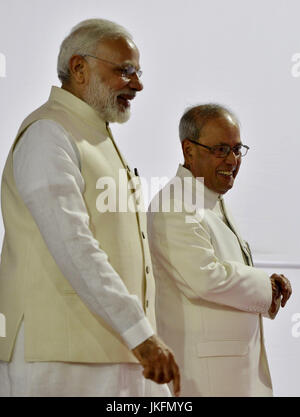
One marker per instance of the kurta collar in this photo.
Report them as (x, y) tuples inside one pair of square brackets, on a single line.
[(79, 107), (210, 197)]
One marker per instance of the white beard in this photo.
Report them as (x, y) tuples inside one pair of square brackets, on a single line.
[(102, 99)]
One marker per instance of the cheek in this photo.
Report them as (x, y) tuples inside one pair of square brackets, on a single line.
[(119, 84), (205, 170), (113, 83), (216, 165), (237, 168)]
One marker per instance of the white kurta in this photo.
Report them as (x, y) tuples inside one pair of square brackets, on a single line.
[(209, 301), (35, 167)]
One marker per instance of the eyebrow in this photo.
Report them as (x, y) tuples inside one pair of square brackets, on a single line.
[(128, 62)]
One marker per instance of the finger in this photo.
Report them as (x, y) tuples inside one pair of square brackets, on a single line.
[(168, 368), (163, 378), (149, 373), (286, 281), (159, 375), (283, 300), (286, 290), (176, 379), (273, 308), (289, 287), (289, 291), (285, 296)]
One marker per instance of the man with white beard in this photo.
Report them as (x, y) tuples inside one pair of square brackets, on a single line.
[(76, 285)]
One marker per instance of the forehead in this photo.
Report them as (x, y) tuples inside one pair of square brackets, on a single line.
[(223, 129), (120, 51)]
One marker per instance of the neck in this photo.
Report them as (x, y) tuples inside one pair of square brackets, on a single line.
[(187, 166), (71, 89)]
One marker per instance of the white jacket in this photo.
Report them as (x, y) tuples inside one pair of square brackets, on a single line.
[(209, 300)]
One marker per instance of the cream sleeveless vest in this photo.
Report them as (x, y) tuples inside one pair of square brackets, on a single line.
[(58, 325)]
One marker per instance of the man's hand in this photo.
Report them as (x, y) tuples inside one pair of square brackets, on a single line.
[(158, 362), (280, 287)]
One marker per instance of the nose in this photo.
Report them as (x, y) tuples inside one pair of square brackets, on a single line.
[(135, 83), (232, 158)]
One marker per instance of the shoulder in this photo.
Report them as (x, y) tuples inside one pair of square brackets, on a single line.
[(44, 138)]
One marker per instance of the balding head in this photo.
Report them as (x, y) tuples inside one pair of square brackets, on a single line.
[(194, 119)]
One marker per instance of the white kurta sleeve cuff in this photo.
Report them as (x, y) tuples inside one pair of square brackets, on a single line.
[(138, 333)]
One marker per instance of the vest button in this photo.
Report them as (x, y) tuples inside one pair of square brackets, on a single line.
[(147, 269), (143, 235)]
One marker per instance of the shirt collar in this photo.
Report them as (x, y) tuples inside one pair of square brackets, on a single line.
[(79, 107), (210, 197)]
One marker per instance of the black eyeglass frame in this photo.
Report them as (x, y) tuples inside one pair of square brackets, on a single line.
[(211, 148)]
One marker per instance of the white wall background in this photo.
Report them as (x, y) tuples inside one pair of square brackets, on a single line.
[(235, 52)]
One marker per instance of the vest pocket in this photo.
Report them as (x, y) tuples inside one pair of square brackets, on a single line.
[(222, 348)]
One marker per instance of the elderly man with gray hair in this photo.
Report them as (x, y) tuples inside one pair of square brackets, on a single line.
[(76, 283), (210, 298)]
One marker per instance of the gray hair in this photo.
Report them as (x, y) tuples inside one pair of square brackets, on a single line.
[(194, 119), (83, 39)]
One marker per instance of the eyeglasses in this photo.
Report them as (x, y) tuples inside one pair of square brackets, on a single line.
[(221, 151), (128, 71)]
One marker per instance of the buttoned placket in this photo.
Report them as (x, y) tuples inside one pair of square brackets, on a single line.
[(248, 258), (131, 175)]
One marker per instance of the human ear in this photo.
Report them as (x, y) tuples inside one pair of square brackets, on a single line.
[(78, 69), (187, 150)]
